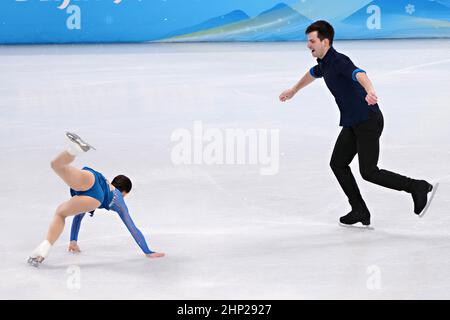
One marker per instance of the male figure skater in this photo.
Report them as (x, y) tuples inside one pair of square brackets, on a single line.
[(362, 123)]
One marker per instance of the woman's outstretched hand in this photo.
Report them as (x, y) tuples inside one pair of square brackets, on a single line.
[(155, 255), (73, 247)]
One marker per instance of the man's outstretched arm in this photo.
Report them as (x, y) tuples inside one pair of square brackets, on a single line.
[(364, 80), (303, 82)]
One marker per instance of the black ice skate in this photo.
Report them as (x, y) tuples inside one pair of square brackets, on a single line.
[(420, 196), (356, 219)]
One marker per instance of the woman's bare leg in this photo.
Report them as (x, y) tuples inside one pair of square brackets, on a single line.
[(79, 180), (74, 206)]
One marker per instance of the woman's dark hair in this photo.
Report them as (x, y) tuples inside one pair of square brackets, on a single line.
[(122, 183), (324, 30)]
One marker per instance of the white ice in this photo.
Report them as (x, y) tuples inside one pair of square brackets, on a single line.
[(228, 232)]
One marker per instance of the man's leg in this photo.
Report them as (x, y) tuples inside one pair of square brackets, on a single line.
[(368, 145), (343, 153)]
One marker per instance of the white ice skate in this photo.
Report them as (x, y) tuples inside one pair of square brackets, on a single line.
[(39, 254), (80, 145), (433, 192)]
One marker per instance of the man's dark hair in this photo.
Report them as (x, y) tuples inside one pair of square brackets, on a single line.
[(122, 183), (324, 30)]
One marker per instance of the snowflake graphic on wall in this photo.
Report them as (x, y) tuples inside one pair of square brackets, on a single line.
[(410, 8)]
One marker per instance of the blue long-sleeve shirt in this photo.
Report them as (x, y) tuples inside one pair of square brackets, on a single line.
[(118, 205)]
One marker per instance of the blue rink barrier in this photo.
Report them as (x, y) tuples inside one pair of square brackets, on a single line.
[(94, 21)]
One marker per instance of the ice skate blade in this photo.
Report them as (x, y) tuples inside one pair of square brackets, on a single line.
[(33, 262), (433, 192), (74, 138), (358, 225)]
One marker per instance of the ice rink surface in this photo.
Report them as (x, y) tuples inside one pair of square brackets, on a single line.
[(228, 231)]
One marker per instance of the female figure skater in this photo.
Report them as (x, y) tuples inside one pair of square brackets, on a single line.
[(90, 190)]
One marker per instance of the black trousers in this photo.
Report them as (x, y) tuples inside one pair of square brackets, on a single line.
[(363, 139)]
